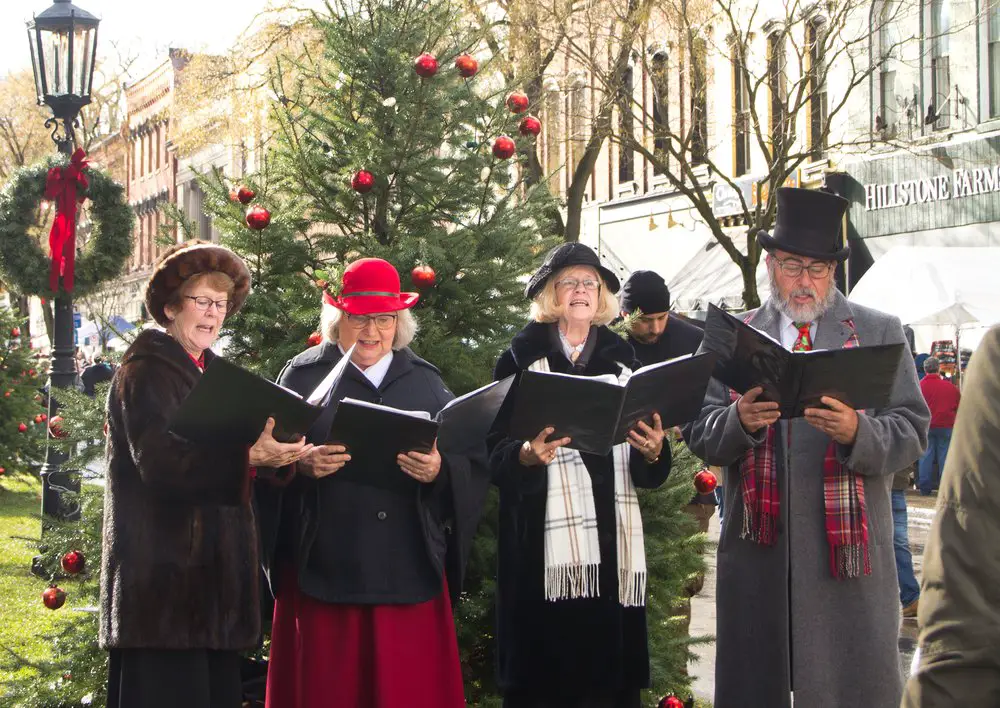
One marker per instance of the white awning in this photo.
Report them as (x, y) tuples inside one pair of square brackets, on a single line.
[(711, 276)]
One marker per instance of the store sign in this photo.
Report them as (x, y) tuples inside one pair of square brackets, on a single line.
[(960, 183)]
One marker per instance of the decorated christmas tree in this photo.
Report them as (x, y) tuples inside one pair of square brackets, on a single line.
[(23, 418), (391, 143)]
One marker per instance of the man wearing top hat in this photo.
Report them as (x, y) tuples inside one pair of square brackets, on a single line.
[(807, 601)]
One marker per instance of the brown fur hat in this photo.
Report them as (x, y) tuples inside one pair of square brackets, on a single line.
[(187, 259)]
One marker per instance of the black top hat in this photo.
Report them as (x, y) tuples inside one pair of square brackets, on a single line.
[(647, 291), (569, 254), (807, 224)]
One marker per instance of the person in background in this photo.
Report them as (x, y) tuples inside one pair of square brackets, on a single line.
[(909, 589), (942, 398), (656, 335), (959, 614), (98, 372), (571, 615), (918, 361)]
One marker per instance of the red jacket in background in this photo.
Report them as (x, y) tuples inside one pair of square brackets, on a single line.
[(942, 398)]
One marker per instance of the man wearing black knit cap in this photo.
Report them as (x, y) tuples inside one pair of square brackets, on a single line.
[(656, 334), (659, 335)]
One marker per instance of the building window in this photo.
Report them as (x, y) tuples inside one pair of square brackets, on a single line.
[(815, 41), (149, 151), (626, 127), (159, 142), (888, 42), (741, 115), (776, 89), (993, 49), (660, 80), (699, 101), (140, 153), (940, 105)]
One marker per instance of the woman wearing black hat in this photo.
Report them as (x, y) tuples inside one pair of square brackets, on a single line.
[(571, 585), (179, 583)]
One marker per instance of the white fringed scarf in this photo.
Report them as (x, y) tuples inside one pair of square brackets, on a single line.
[(572, 549)]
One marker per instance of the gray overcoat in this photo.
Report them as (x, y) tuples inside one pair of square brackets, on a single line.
[(784, 622)]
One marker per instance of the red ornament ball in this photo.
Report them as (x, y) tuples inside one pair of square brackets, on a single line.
[(73, 562), (32, 372), (54, 597), (43, 417), (6, 394), (314, 339), (16, 332), (706, 482), (517, 102), (245, 194), (38, 419), (258, 217), (423, 276), (425, 65), (234, 195), (467, 65), (504, 148), (671, 702), (55, 425), (2, 470), (22, 428), (530, 126), (362, 181)]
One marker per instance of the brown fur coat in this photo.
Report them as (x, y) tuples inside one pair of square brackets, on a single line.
[(180, 566)]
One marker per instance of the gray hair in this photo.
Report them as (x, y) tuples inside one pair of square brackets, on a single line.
[(931, 365), (406, 326)]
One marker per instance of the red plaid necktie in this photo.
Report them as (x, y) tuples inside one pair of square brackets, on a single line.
[(803, 342)]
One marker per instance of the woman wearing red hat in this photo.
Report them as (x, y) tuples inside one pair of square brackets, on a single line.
[(571, 620), (362, 613)]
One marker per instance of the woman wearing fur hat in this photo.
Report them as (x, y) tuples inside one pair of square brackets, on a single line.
[(563, 641), (179, 583), (362, 611)]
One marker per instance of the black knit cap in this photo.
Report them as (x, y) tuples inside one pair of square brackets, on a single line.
[(647, 291), (569, 254)]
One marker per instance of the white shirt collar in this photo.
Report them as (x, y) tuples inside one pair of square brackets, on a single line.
[(377, 371), (789, 332)]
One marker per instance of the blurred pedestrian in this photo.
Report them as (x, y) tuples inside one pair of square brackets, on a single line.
[(960, 599), (942, 398), (909, 589)]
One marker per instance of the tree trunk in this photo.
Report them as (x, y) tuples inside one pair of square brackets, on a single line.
[(751, 298)]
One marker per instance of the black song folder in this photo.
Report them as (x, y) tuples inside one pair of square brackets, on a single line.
[(597, 413), (862, 377), (230, 404), (466, 420)]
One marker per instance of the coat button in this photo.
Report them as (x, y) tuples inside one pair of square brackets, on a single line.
[(381, 516)]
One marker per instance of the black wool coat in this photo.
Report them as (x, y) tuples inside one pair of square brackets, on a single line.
[(572, 647), (180, 565), (354, 543)]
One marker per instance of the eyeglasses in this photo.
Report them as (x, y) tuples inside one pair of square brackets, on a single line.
[(793, 268), (203, 303), (382, 322), (573, 284)]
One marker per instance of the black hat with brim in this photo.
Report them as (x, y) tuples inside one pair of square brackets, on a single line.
[(564, 256), (808, 223)]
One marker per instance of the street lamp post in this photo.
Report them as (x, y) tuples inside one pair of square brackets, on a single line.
[(63, 41)]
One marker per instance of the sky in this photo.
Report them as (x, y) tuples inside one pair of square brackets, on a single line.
[(144, 28)]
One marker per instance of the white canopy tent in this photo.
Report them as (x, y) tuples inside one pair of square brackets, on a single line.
[(942, 292), (712, 277)]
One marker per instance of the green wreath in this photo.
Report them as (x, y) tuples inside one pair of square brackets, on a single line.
[(23, 263)]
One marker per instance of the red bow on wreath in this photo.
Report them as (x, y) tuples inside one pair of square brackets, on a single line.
[(64, 186)]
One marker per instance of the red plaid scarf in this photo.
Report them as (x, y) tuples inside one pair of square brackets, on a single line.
[(843, 497)]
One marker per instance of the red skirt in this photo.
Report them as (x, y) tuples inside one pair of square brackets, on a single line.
[(362, 656)]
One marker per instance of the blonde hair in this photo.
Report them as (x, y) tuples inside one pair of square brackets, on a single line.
[(545, 306), (406, 326)]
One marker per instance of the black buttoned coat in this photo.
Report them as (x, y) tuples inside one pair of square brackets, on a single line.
[(570, 648), (358, 544)]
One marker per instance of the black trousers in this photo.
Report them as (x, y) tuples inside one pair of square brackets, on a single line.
[(167, 678), (625, 698)]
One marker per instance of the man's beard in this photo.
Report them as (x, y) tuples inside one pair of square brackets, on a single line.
[(801, 313)]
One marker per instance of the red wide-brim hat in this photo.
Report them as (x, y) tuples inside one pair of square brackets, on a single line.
[(371, 285)]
